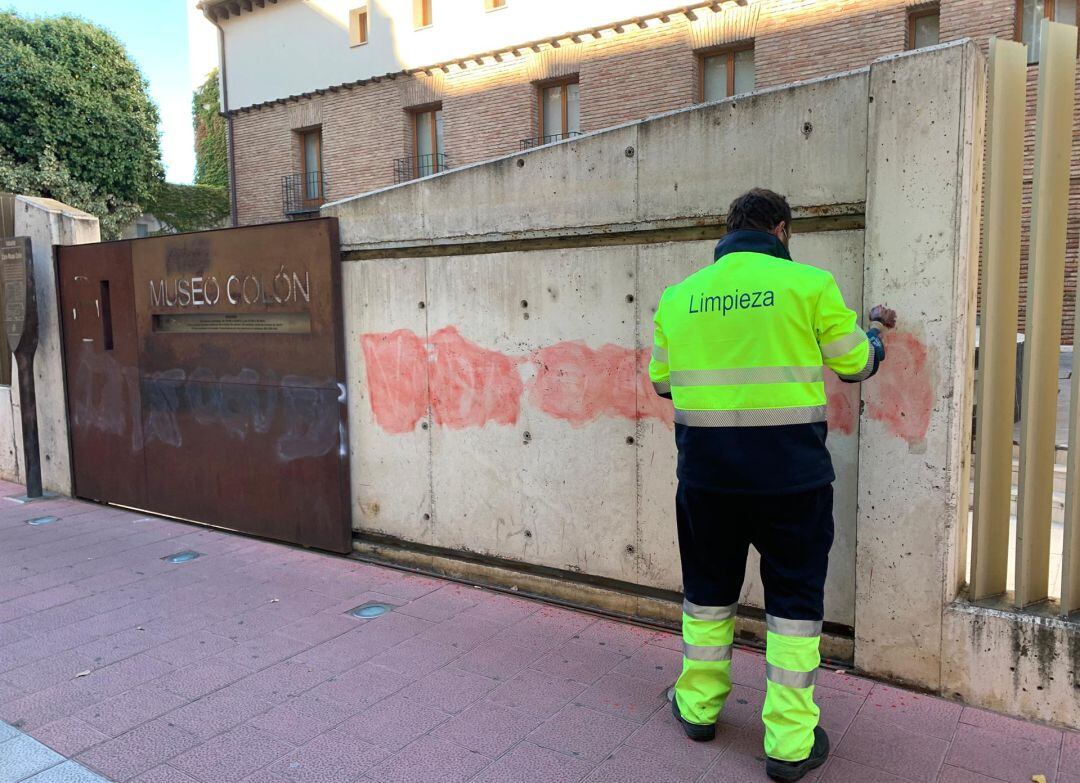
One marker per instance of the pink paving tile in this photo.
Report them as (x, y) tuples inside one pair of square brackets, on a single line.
[(439, 605), (743, 761), (264, 651), (548, 627), (843, 771), (449, 690), (139, 750), (430, 759), (291, 723), (580, 662), (119, 714), (958, 775), (164, 774), (417, 657), (191, 648), (405, 586), (655, 664), (662, 737), (913, 711), (282, 680), (487, 728), (331, 758), (536, 693), (1070, 754), (668, 640), (498, 659), (36, 709), (583, 733), (624, 697), (69, 736), (346, 651), (462, 633), (1044, 735), (231, 756), (743, 706), (360, 687), (838, 709), (319, 628), (128, 673), (632, 765), (202, 677), (218, 712), (528, 763), (501, 609), (9, 692), (394, 722), (840, 680), (1002, 753), (893, 749), (612, 636)]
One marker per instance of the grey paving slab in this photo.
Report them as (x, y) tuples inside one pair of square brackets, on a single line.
[(23, 756), (68, 772)]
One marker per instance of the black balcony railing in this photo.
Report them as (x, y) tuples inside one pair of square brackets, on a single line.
[(406, 169), (541, 140), (302, 193)]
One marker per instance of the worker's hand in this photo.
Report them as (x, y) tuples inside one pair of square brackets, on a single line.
[(883, 316)]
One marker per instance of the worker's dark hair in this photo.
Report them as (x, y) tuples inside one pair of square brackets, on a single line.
[(758, 209)]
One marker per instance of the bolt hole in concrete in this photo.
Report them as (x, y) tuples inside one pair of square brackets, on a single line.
[(630, 152), (807, 128), (629, 297), (524, 302), (521, 163), (182, 557), (369, 610), (526, 436), (528, 534), (38, 521), (422, 305), (630, 440)]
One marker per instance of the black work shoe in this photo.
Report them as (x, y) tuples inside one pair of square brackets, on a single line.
[(795, 770), (695, 731)]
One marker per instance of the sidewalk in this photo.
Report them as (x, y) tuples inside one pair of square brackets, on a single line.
[(244, 665)]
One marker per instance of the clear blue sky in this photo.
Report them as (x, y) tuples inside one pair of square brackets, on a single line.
[(155, 33)]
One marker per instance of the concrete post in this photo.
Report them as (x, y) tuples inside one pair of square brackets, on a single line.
[(924, 164), (48, 223)]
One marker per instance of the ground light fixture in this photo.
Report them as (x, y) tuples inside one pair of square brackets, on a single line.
[(182, 557), (369, 610)]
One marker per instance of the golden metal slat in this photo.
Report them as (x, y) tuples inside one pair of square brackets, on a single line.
[(1049, 212), (1003, 199)]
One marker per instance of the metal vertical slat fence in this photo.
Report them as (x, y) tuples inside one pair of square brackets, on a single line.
[(1000, 290)]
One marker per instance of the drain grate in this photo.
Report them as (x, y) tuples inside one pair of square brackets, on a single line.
[(38, 521), (181, 557), (369, 610)]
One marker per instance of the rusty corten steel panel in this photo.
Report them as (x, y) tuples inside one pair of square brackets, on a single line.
[(101, 370), (206, 378), (243, 380)]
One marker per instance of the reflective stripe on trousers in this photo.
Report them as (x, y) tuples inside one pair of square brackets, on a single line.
[(703, 687), (792, 659)]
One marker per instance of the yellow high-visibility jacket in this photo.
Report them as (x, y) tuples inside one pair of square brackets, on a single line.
[(741, 348)]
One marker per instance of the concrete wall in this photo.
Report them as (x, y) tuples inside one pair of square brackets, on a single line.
[(499, 403), (47, 223)]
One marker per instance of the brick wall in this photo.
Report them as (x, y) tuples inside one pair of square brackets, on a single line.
[(488, 109)]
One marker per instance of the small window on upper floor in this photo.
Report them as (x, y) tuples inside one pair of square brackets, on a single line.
[(726, 73), (1029, 16), (421, 13), (358, 26), (559, 110), (494, 5), (924, 26)]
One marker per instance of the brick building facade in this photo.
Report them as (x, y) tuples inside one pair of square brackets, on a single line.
[(490, 103)]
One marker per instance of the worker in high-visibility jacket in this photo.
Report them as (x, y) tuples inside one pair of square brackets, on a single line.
[(739, 348)]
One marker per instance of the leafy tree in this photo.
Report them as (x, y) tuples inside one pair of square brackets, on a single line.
[(76, 122), (189, 207), (211, 154)]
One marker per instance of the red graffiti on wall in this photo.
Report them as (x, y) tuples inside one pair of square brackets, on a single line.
[(843, 399), (901, 395), (396, 379), (578, 384), (470, 385)]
